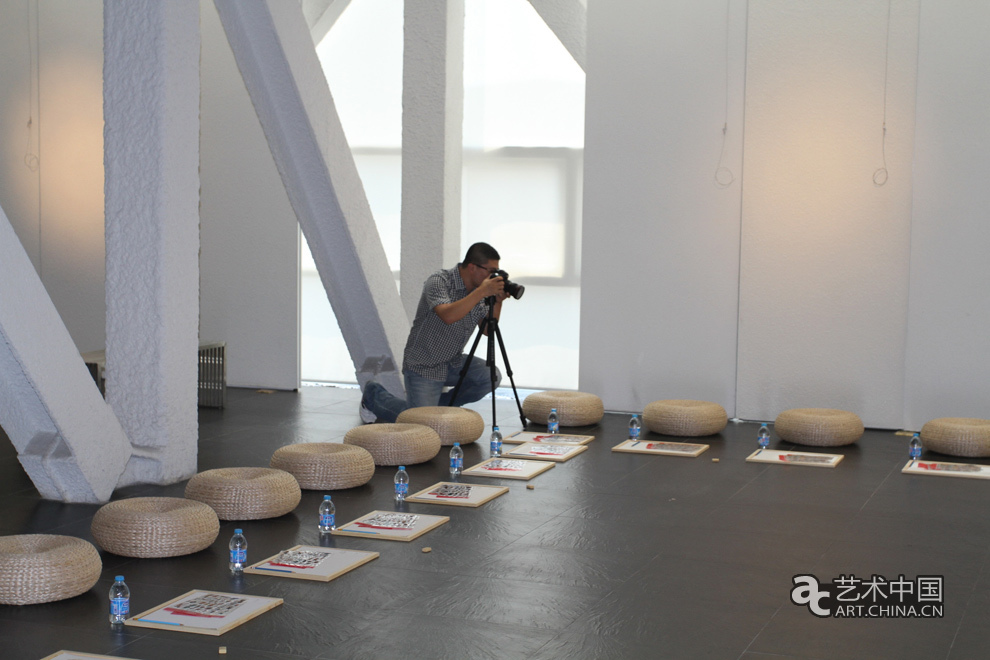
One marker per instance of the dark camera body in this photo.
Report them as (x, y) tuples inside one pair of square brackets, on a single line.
[(512, 288)]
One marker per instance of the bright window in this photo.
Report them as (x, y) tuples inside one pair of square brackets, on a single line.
[(521, 190)]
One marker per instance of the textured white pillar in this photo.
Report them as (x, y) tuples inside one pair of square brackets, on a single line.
[(67, 438), (151, 137), (432, 118), (568, 20), (282, 73)]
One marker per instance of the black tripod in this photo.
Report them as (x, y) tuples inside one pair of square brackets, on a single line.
[(494, 334)]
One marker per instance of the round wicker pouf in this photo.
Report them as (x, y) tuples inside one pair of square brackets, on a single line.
[(246, 493), (42, 568), (819, 427), (325, 465), (685, 417), (155, 527), (396, 444), (573, 408), (461, 425), (957, 436)]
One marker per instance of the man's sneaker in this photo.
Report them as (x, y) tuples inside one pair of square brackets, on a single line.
[(367, 416)]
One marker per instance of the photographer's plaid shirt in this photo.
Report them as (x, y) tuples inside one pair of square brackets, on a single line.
[(434, 346)]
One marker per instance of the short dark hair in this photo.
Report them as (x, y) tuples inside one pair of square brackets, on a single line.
[(480, 253)]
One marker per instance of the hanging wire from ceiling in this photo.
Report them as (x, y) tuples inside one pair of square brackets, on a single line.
[(880, 175), (31, 158), (723, 175)]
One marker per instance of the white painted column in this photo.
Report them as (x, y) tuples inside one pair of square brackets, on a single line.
[(282, 73), (151, 136), (432, 118), (568, 19), (67, 438)]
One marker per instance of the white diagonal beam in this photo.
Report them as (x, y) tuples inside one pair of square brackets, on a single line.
[(282, 74), (568, 19), (67, 438), (322, 15), (151, 156), (432, 117)]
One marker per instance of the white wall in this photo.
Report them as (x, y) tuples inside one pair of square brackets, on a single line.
[(56, 209), (661, 239), (249, 263), (948, 355), (824, 255)]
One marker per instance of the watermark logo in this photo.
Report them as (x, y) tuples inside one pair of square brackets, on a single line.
[(876, 597)]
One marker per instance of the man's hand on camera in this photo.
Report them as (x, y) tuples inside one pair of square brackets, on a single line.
[(494, 286)]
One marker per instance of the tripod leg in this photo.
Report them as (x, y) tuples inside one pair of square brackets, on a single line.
[(467, 363), (508, 372)]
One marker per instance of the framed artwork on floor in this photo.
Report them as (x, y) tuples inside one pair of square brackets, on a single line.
[(204, 612), (310, 562)]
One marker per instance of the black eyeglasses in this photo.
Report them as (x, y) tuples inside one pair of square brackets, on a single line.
[(486, 269)]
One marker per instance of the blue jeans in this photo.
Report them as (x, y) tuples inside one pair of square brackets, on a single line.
[(425, 392)]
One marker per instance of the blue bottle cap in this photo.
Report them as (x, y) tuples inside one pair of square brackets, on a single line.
[(457, 444), (119, 578), (237, 531), (402, 467), (326, 497)]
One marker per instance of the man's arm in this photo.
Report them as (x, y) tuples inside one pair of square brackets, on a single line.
[(457, 310)]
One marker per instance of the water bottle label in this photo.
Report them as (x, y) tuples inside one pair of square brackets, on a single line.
[(238, 555), (455, 463), (553, 426), (402, 489), (460, 463), (327, 520), (120, 606), (634, 432)]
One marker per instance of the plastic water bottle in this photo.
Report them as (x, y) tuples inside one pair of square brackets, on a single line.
[(456, 459), (634, 427), (915, 451), (120, 600), (553, 426), (496, 443), (238, 552), (763, 437), (401, 484), (328, 522)]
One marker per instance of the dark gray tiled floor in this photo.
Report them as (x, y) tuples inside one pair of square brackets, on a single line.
[(609, 556)]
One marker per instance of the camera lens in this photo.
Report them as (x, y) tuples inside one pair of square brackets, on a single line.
[(512, 288)]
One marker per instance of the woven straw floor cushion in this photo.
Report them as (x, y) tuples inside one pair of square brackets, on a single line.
[(819, 427), (246, 493), (155, 527), (325, 465), (42, 568), (461, 425), (396, 444), (957, 436), (685, 417), (573, 408)]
